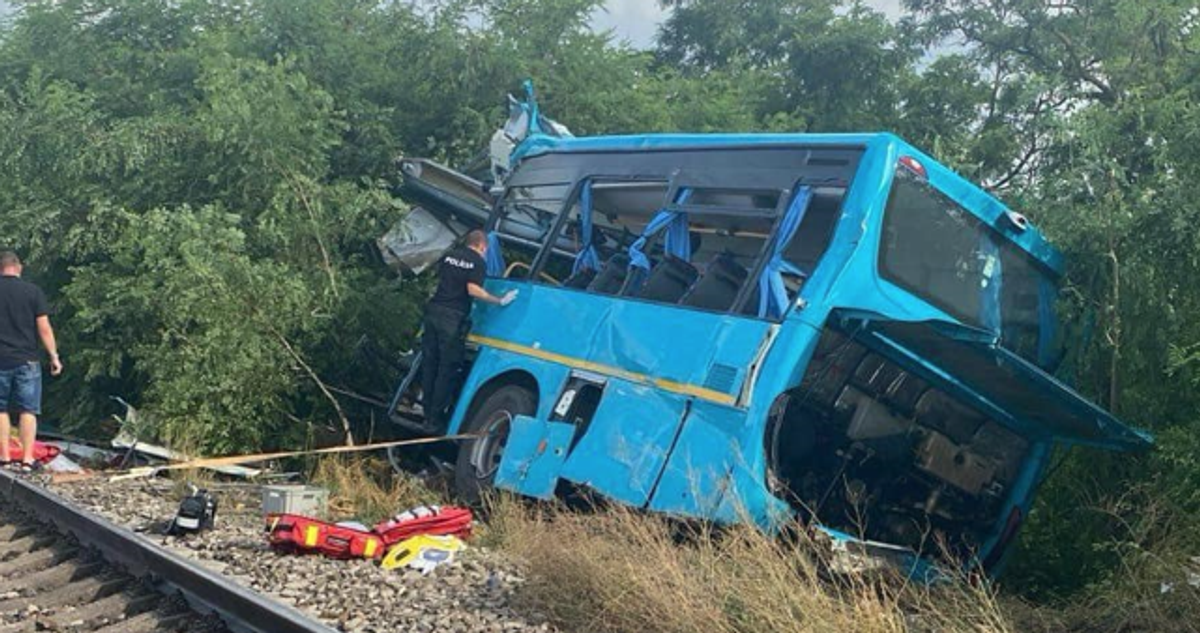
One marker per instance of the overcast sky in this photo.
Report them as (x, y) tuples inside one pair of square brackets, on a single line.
[(637, 20)]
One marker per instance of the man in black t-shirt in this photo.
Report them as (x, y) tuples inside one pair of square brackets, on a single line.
[(24, 320), (460, 279)]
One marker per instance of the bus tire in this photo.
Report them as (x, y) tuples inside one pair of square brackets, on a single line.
[(479, 459)]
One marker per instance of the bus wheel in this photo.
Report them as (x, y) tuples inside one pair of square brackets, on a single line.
[(479, 459)]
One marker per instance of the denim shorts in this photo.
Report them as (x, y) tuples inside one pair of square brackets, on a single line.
[(21, 389)]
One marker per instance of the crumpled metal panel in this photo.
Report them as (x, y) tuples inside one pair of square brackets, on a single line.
[(697, 476), (636, 339), (416, 242), (492, 363), (625, 448), (534, 456)]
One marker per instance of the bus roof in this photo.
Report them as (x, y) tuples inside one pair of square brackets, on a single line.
[(540, 144), (981, 203)]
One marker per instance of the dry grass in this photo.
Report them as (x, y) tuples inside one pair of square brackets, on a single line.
[(619, 570), (367, 489), (188, 445), (1155, 588), (1152, 598)]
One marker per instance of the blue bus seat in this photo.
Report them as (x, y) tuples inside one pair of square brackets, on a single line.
[(669, 281), (611, 278), (634, 281), (718, 287), (580, 279)]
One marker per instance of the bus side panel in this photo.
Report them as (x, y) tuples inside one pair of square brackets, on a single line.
[(534, 456), (697, 476), (625, 447), (685, 351), (492, 363), (720, 475), (1020, 499), (718, 468)]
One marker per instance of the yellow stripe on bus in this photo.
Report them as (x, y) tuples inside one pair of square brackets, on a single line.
[(686, 389)]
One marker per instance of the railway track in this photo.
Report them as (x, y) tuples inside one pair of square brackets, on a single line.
[(64, 569)]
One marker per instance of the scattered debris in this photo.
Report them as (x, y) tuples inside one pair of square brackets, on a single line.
[(218, 463), (416, 242), (473, 593), (82, 451), (60, 463), (197, 512), (294, 499), (423, 553), (127, 441)]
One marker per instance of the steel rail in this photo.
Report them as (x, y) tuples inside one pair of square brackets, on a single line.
[(242, 610)]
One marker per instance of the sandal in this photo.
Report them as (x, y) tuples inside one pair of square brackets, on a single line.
[(29, 468)]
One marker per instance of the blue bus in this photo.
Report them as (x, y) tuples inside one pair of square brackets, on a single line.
[(830, 327)]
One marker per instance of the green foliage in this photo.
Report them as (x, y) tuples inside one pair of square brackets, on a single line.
[(208, 317), (199, 185)]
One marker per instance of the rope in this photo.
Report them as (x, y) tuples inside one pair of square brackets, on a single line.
[(237, 460)]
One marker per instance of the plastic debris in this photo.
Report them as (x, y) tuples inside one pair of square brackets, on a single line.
[(63, 464), (423, 553)]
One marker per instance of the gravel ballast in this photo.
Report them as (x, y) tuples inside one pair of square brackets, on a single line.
[(473, 593)]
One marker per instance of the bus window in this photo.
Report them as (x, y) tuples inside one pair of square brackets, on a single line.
[(620, 212), (1028, 307), (936, 249), (816, 231), (730, 248), (727, 230), (527, 217), (723, 246), (942, 253)]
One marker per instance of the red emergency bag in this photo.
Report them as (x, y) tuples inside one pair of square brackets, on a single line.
[(298, 534), (428, 520), (43, 453)]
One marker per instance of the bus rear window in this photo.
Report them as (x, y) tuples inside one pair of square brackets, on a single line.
[(942, 253), (936, 249)]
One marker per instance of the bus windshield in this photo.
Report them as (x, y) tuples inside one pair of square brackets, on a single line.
[(942, 253)]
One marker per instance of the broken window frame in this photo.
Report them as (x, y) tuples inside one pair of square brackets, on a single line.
[(711, 177)]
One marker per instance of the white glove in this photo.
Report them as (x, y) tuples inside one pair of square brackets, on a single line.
[(508, 297)]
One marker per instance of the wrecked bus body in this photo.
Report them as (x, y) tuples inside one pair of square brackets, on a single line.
[(761, 327)]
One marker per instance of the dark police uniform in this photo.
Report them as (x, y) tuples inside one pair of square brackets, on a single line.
[(21, 303), (446, 326)]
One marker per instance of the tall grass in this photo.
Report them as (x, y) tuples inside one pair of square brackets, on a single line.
[(620, 570), (1156, 585), (367, 489)]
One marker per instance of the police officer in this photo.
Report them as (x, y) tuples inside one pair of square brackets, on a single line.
[(460, 279)]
